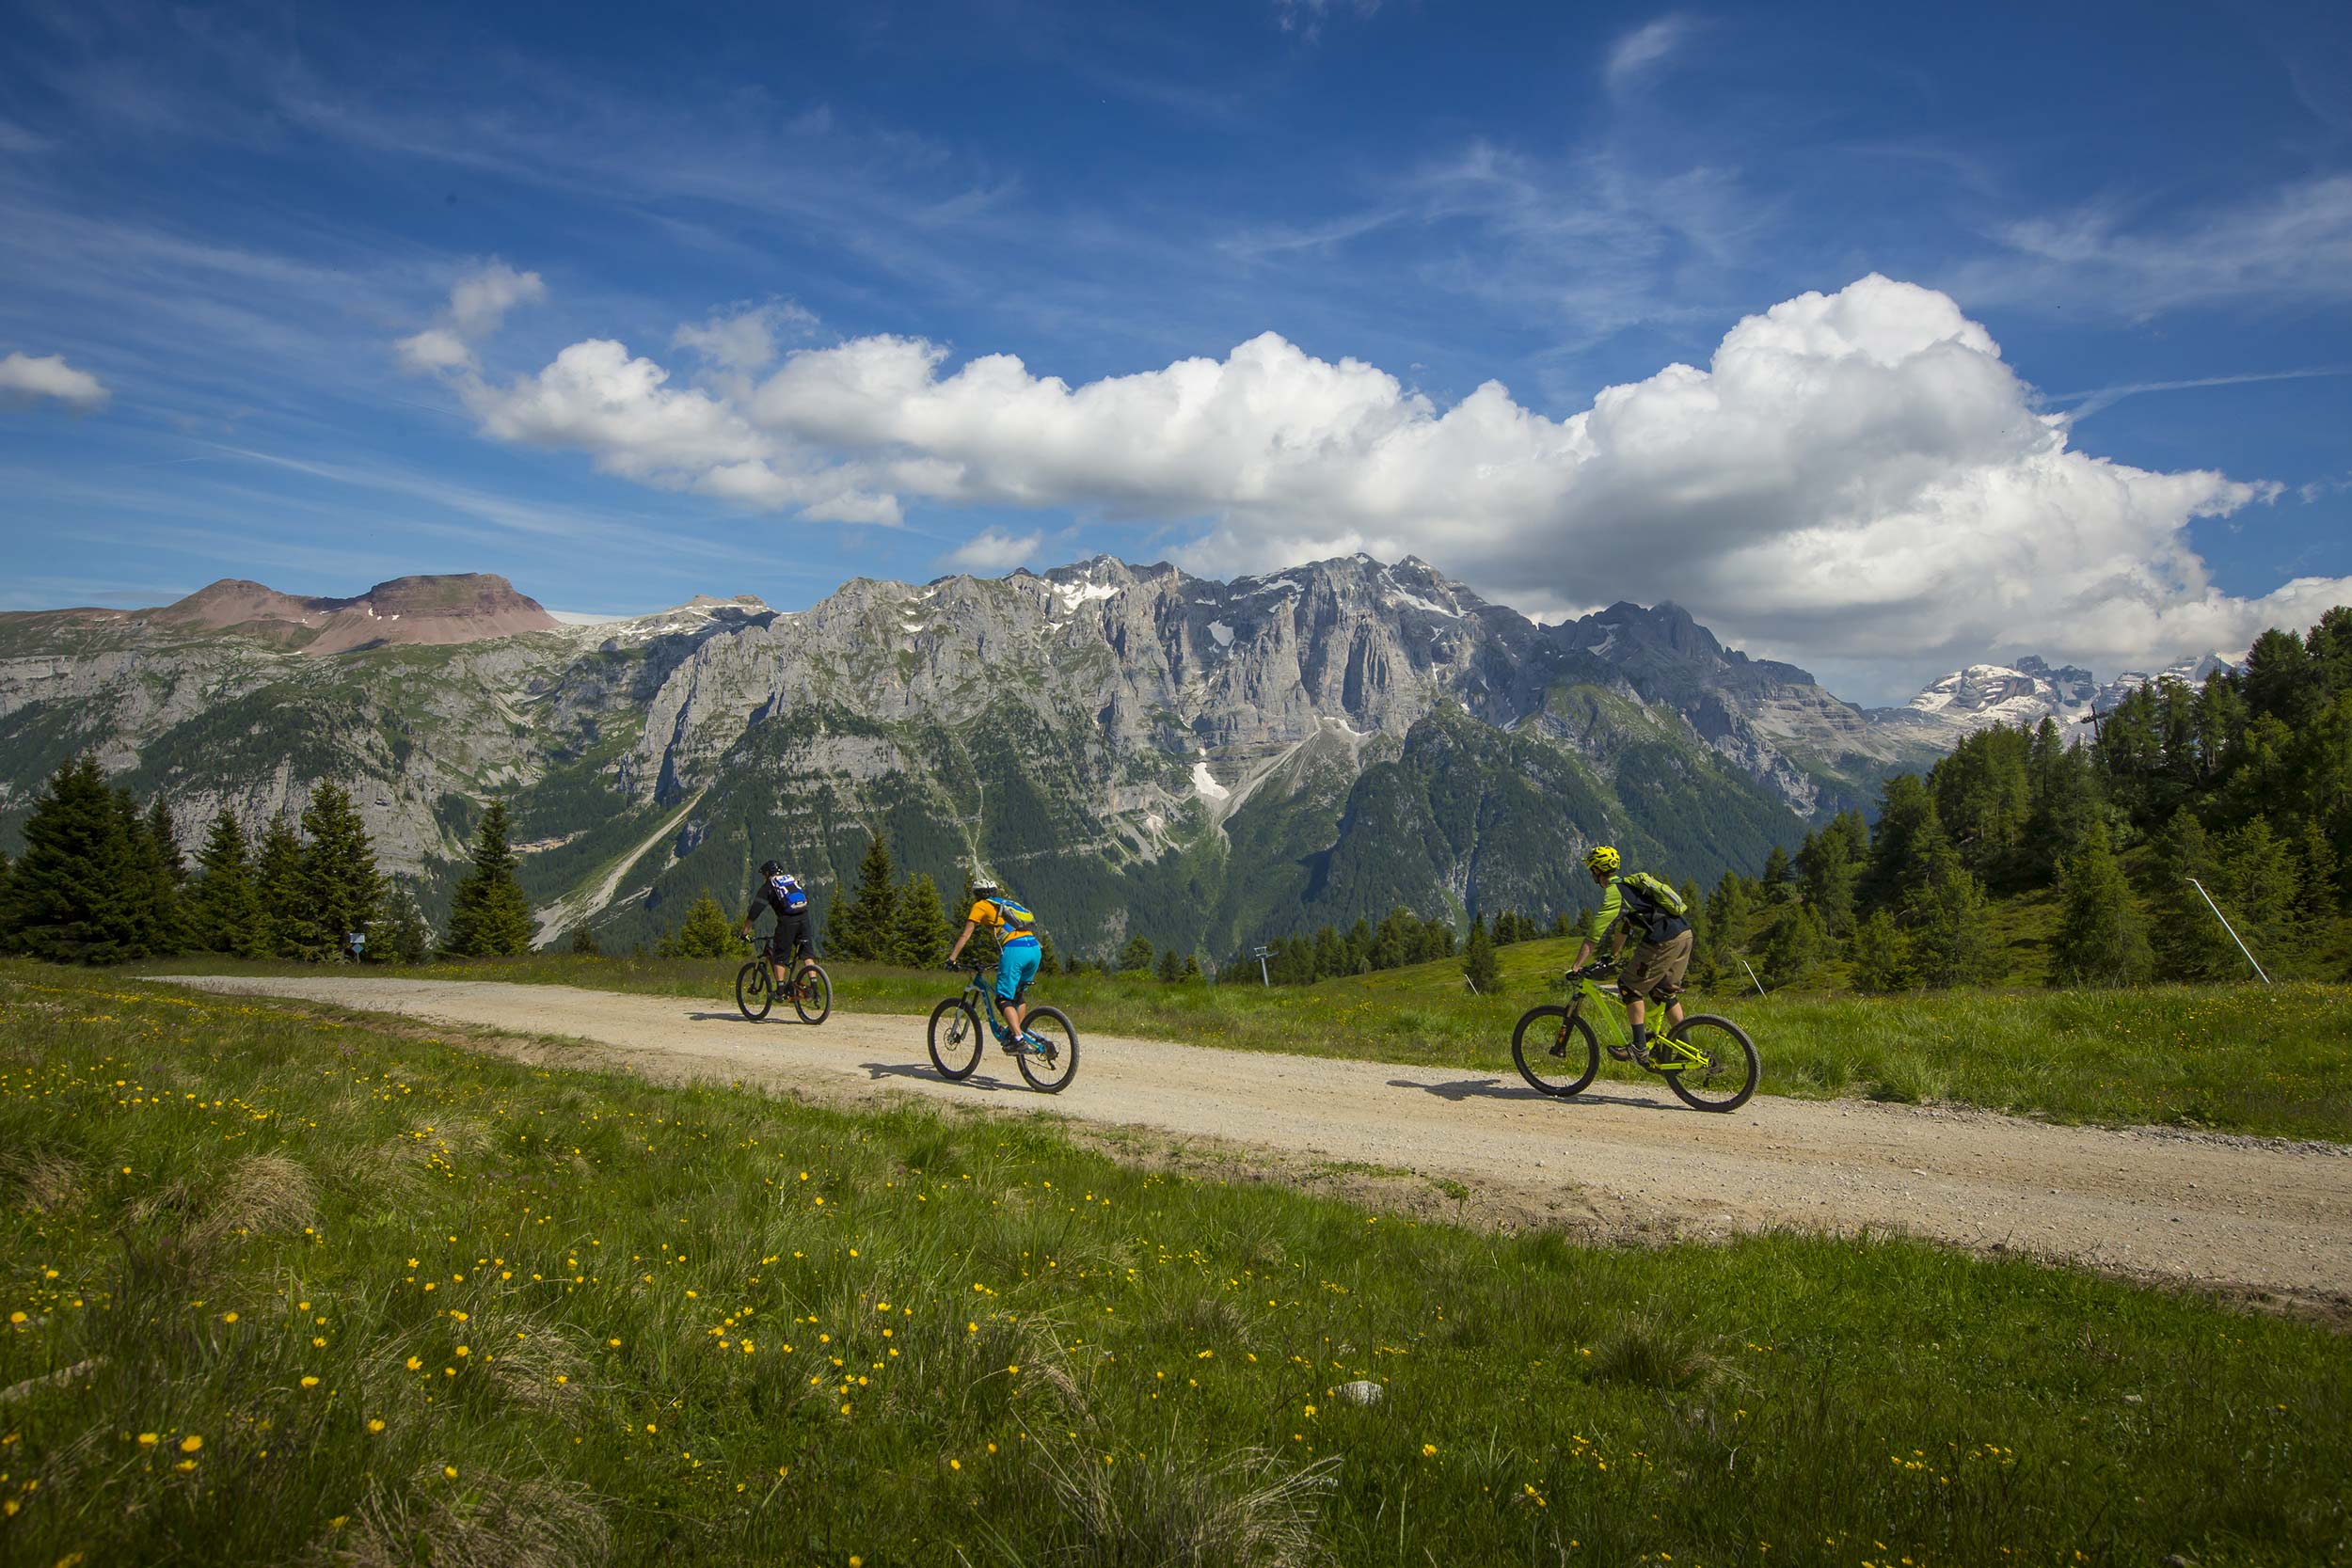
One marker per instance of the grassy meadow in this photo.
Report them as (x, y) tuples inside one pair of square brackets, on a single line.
[(2229, 1058), (285, 1289)]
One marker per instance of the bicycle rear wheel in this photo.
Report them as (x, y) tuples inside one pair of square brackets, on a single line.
[(755, 990), (1049, 1070), (956, 1038), (812, 994), (1726, 1070), (1557, 1055)]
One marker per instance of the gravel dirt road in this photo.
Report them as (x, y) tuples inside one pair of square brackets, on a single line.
[(2262, 1217)]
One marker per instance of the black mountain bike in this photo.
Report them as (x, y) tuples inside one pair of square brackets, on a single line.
[(1046, 1053), (1708, 1061), (810, 988)]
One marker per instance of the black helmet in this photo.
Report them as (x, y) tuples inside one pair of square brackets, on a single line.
[(768, 868)]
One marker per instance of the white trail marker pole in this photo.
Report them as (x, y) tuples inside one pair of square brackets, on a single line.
[(2226, 927)]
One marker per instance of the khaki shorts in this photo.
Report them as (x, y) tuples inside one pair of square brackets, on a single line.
[(1655, 971)]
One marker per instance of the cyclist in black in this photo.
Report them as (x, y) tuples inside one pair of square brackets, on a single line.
[(780, 891)]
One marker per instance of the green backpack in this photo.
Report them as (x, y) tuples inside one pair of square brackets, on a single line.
[(1655, 891)]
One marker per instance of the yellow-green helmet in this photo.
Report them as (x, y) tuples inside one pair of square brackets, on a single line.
[(1601, 860)]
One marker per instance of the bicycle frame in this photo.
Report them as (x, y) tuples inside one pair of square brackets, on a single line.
[(982, 999), (1586, 989)]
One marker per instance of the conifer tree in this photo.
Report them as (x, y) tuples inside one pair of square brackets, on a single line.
[(867, 926), (1882, 956), (920, 940), (6, 869), (2258, 892), (224, 906), (75, 896), (341, 890), (1135, 955), (1478, 959), (1796, 949), (1171, 968), (1331, 956), (1778, 876), (2103, 938), (490, 916), (1945, 914), (155, 847), (1044, 952), (583, 942), (277, 881), (1830, 868), (706, 933), (1192, 968), (402, 936), (2189, 944)]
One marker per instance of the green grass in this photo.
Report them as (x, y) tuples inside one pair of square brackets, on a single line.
[(2240, 1059), (269, 1231)]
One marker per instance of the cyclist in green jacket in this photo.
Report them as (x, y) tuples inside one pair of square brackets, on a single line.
[(1659, 961)]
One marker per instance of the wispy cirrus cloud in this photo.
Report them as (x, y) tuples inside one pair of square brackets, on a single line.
[(1635, 54)]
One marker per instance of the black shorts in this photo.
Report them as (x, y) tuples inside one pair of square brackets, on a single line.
[(790, 938)]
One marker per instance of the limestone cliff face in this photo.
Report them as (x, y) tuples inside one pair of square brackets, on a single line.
[(1206, 761)]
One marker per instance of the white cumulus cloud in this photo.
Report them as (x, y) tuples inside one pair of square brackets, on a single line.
[(995, 550), (1856, 479), (478, 304), (27, 378)]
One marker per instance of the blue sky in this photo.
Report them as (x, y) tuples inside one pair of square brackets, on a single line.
[(629, 304)]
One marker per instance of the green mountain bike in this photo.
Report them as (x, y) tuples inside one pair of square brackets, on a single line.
[(1047, 1052), (809, 987), (1708, 1062)]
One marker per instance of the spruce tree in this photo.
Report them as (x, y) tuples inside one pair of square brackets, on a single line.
[(2189, 944), (867, 926), (1192, 968), (1796, 949), (2258, 892), (1882, 956), (1945, 913), (1777, 873), (706, 933), (920, 940), (402, 936), (277, 881), (1137, 955), (490, 916), (168, 871), (1830, 868), (583, 942), (7, 926), (224, 905), (75, 897), (2103, 938), (1044, 952), (1478, 959), (1170, 968), (341, 889)]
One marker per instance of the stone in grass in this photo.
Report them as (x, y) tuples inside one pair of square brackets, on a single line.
[(1362, 1392)]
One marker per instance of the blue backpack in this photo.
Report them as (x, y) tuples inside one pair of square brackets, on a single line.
[(789, 892)]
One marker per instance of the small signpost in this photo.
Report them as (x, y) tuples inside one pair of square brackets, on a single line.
[(1262, 953)]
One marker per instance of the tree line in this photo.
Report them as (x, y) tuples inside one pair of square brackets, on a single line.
[(2241, 784), (104, 880)]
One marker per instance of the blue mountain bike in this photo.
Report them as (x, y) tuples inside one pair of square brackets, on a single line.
[(1046, 1053)]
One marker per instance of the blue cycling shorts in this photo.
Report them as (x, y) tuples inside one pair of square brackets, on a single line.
[(1016, 966)]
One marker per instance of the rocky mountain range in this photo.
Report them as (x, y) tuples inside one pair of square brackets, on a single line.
[(1131, 748)]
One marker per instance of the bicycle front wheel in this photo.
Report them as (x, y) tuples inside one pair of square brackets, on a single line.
[(812, 994), (1557, 1055), (755, 990), (1049, 1054), (955, 1040), (1720, 1068)]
